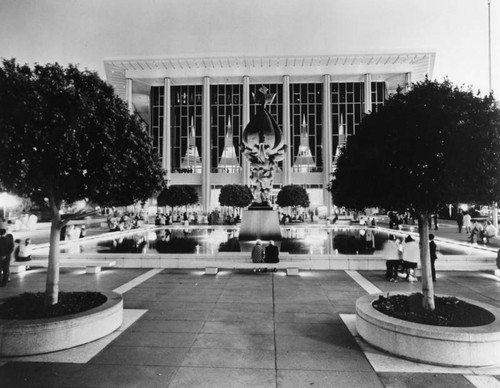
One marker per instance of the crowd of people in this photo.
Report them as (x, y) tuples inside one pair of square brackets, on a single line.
[(119, 222), (479, 232)]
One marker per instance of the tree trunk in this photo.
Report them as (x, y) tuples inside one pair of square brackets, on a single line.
[(425, 260), (52, 284)]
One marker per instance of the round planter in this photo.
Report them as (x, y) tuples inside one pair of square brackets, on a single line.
[(28, 337), (449, 346)]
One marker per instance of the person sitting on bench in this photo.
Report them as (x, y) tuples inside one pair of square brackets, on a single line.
[(489, 232), (393, 255), (271, 254), (411, 258), (257, 254), (24, 251)]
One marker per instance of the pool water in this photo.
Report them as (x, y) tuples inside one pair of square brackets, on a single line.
[(317, 241)]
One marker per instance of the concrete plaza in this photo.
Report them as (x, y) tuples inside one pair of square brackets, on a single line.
[(239, 329)]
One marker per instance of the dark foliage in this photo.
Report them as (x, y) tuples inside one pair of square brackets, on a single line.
[(66, 136), (449, 311), (31, 305), (434, 145), (178, 195), (293, 195), (235, 196)]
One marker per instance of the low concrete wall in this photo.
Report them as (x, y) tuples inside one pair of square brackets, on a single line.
[(305, 262), (450, 346), (27, 337)]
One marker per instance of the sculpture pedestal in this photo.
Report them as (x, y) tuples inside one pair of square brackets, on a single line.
[(260, 224)]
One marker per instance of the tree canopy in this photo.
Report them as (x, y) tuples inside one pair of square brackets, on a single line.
[(436, 144), (66, 137), (178, 195), (235, 196), (293, 195)]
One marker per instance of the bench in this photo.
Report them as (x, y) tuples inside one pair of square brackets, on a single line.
[(91, 266), (213, 268)]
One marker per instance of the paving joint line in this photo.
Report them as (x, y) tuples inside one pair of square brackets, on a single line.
[(274, 333), (138, 280), (363, 282)]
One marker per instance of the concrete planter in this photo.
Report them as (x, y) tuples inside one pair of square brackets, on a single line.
[(449, 346), (28, 337)]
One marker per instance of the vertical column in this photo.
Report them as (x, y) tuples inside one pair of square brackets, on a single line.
[(128, 95), (245, 120), (287, 175), (166, 161), (206, 188), (327, 141), (407, 82), (368, 94)]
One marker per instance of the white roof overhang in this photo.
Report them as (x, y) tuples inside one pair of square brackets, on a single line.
[(147, 72)]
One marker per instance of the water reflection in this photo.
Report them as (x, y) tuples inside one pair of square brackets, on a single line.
[(315, 241)]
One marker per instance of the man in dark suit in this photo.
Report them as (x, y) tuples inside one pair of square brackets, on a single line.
[(6, 248), (433, 254), (272, 254)]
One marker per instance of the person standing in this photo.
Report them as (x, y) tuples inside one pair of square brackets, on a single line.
[(411, 258), (433, 254), (6, 250), (467, 222), (435, 219), (460, 220), (257, 254)]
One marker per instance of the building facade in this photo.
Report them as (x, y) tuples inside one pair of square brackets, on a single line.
[(197, 108)]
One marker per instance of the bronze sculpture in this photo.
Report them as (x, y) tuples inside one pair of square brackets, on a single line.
[(263, 145)]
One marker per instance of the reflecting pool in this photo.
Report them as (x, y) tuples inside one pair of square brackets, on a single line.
[(295, 240)]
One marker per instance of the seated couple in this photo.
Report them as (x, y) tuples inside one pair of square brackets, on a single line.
[(270, 254), (408, 257)]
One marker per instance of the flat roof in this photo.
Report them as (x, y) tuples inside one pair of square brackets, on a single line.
[(150, 71)]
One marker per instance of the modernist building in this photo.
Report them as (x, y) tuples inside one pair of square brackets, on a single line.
[(197, 108)]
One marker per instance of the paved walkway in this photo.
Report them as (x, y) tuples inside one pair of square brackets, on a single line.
[(239, 329)]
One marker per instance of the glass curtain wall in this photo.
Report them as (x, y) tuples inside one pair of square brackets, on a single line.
[(306, 104), (186, 128), (378, 95), (226, 109), (347, 99), (156, 128)]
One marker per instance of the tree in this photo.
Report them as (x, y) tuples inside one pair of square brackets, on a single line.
[(293, 195), (235, 196), (178, 195), (66, 137), (436, 144), (192, 195)]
